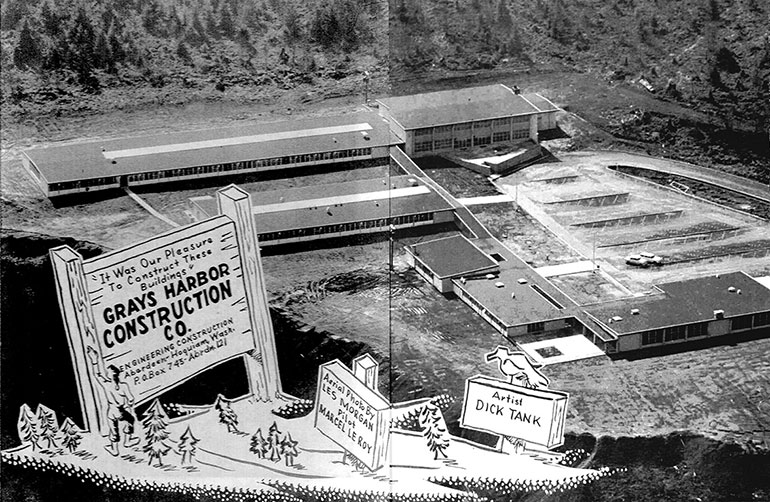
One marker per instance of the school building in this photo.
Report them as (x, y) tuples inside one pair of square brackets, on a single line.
[(338, 209), (436, 122), (101, 165), (693, 309)]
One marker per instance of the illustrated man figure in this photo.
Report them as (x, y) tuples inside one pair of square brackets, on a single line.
[(120, 405)]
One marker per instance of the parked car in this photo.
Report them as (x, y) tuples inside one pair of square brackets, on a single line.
[(652, 258), (638, 261)]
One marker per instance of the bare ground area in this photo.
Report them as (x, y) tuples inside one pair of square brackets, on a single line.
[(524, 235)]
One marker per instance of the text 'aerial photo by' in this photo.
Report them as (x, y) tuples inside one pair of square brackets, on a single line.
[(403, 250)]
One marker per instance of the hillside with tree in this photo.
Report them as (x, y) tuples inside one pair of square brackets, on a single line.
[(59, 55)]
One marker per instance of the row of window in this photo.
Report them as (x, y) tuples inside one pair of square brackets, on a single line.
[(346, 227), (457, 143), (521, 122), (215, 168), (674, 333)]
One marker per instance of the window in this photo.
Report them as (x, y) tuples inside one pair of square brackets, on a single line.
[(743, 322), (463, 127), (462, 143), (442, 129), (674, 333), (442, 144), (699, 329), (536, 327), (501, 136), (423, 146), (762, 319), (652, 337), (482, 140), (501, 122)]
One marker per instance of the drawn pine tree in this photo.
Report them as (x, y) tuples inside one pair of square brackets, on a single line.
[(155, 423), (258, 444), (70, 435), (434, 429), (187, 444), (289, 449), (273, 443), (226, 414), (47, 424), (27, 427)]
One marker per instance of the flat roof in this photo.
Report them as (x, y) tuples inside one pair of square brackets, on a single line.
[(452, 256), (530, 304), (687, 302), (337, 203), (457, 105), (541, 103), (115, 157)]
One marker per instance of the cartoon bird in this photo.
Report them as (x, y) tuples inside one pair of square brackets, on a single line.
[(516, 365)]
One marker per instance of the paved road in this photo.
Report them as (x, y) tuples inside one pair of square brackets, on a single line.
[(737, 183)]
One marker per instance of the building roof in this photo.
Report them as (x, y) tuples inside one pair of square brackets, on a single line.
[(313, 206), (686, 302), (453, 256), (534, 301), (541, 103), (213, 146), (456, 106)]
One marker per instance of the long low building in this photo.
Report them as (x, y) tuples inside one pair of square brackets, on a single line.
[(338, 209), (495, 283), (100, 165), (684, 310), (436, 122)]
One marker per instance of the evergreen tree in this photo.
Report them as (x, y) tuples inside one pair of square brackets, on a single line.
[(27, 427), (48, 426), (81, 57), (183, 53), (155, 424), (258, 444), (187, 444), (226, 414), (70, 435), (274, 443), (102, 56), (50, 20), (434, 429), (289, 449), (504, 15), (226, 24), (27, 53)]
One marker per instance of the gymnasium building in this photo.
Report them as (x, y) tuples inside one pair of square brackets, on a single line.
[(436, 122)]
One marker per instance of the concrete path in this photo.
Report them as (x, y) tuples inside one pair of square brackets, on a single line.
[(731, 181), (149, 208), (562, 350), (488, 199), (575, 267)]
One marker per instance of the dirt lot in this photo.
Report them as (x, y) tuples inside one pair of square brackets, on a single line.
[(693, 236), (524, 235)]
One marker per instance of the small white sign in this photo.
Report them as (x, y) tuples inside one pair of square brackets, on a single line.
[(352, 415)]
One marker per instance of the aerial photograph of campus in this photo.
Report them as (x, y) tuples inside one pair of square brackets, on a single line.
[(393, 251)]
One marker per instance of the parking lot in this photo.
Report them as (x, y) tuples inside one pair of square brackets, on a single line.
[(610, 216)]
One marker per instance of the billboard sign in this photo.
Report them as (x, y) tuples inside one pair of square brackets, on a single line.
[(171, 307), (498, 407), (352, 415)]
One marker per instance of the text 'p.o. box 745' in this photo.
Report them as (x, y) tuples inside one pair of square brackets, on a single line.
[(352, 415), (534, 415)]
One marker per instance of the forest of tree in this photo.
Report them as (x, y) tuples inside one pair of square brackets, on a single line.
[(188, 43)]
